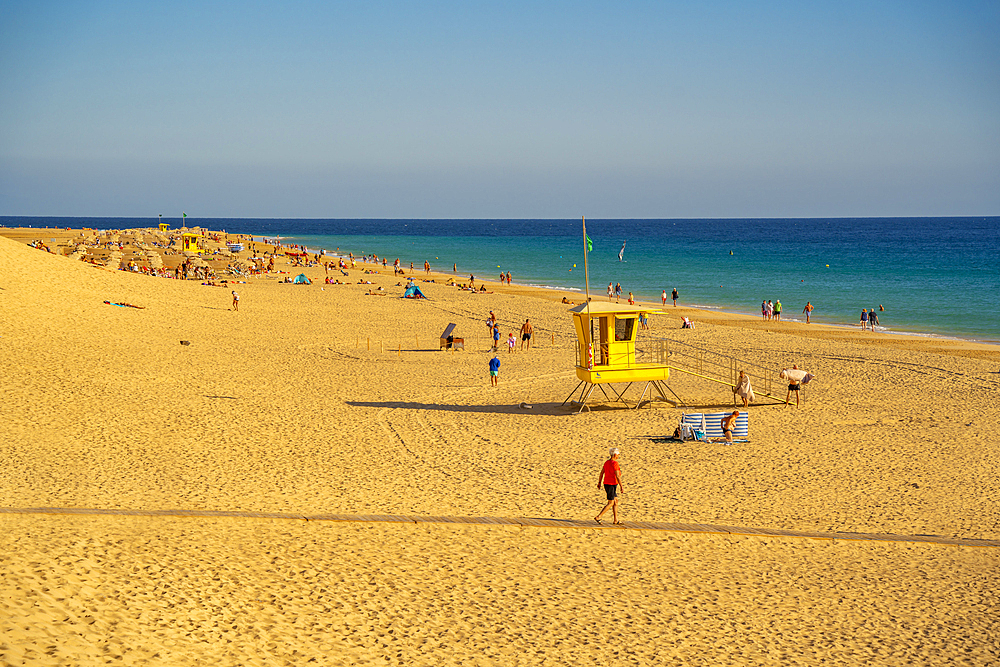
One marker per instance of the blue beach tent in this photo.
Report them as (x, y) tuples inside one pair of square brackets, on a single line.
[(302, 280), (413, 292)]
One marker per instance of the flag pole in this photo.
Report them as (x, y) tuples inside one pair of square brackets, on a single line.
[(586, 280), (586, 267)]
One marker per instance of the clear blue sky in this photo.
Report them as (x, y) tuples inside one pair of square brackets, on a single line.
[(500, 109)]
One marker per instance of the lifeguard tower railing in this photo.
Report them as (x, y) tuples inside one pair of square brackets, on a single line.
[(706, 364)]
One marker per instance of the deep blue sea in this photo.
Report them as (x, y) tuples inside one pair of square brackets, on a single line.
[(932, 275)]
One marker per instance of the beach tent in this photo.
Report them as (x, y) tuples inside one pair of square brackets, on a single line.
[(413, 292), (302, 280)]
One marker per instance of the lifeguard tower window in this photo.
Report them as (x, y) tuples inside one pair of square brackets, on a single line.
[(623, 328)]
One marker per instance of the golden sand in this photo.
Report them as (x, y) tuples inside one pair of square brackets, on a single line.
[(320, 399)]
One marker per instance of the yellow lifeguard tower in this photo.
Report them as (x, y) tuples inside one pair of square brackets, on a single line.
[(606, 353), (164, 226), (192, 242)]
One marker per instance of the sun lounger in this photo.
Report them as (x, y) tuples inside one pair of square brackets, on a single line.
[(711, 424)]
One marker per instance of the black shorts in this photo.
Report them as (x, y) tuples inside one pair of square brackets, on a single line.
[(526, 336), (793, 387), (611, 490)]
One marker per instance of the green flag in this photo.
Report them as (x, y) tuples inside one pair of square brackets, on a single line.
[(590, 245)]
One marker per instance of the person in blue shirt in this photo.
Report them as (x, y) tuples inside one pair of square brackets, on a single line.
[(496, 337), (494, 370)]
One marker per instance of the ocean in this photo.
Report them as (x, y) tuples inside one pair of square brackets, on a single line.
[(932, 276)]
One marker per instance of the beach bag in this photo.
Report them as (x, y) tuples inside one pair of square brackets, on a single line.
[(699, 435), (687, 433)]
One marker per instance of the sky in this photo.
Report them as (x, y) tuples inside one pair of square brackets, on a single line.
[(500, 109)]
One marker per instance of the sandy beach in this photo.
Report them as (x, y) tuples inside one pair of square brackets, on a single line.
[(320, 398)]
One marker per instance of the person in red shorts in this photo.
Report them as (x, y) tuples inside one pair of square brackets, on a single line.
[(611, 479)]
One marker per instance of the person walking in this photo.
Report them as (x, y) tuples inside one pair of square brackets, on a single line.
[(496, 337), (864, 319), (795, 376), (674, 297), (808, 310), (663, 297), (236, 301), (611, 480), (777, 310), (494, 370), (526, 331), (611, 291)]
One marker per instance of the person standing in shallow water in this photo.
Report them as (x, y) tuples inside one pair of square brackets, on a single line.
[(611, 480), (808, 310)]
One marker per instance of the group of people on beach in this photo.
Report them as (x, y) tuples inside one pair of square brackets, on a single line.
[(494, 328), (673, 295), (771, 311), (869, 318)]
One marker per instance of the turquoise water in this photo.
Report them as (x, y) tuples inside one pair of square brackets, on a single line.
[(933, 276), (936, 276)]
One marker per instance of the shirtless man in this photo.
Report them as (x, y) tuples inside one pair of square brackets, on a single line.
[(728, 424), (808, 310), (794, 377), (526, 334)]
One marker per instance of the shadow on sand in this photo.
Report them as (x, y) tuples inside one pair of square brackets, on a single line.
[(535, 409)]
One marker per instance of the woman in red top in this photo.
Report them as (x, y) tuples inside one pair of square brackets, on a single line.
[(611, 478)]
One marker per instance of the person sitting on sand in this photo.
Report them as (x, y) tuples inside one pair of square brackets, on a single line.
[(728, 423), (611, 479)]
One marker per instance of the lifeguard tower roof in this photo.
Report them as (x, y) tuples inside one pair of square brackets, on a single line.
[(602, 308)]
